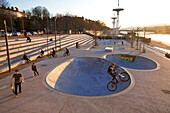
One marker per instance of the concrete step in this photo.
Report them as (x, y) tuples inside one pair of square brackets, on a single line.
[(20, 54), (33, 57), (17, 49), (24, 43)]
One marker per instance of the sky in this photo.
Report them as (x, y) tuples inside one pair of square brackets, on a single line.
[(137, 13)]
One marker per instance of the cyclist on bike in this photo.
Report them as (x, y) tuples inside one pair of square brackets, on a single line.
[(112, 72), (66, 51)]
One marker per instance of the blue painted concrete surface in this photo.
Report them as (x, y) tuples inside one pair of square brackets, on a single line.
[(87, 76), (140, 63)]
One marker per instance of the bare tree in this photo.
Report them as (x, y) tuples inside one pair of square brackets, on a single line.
[(4, 3)]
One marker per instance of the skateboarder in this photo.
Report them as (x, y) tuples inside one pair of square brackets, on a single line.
[(18, 81), (34, 69), (42, 52)]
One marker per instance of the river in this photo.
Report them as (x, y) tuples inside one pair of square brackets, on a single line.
[(164, 38)]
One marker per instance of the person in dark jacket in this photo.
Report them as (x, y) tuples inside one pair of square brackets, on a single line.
[(25, 57), (28, 39), (167, 55), (77, 45), (53, 53), (42, 52), (67, 51), (34, 69)]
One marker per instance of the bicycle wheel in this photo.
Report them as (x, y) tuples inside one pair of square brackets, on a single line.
[(111, 86), (124, 77), (64, 54)]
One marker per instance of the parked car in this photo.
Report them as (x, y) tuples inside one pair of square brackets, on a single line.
[(34, 33), (29, 34), (40, 32), (16, 34), (8, 34)]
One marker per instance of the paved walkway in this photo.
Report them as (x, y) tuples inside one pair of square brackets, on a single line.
[(150, 93)]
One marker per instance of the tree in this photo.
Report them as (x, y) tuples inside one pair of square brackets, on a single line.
[(4, 3)]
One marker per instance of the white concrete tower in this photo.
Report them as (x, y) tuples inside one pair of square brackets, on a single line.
[(114, 21), (118, 10)]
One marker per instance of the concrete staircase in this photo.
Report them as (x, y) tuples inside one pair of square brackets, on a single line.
[(17, 47)]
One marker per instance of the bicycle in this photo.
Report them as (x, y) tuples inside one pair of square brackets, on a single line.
[(112, 85), (66, 54)]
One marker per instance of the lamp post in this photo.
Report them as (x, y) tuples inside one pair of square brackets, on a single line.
[(55, 33), (132, 38), (47, 34), (137, 39), (7, 49), (95, 39), (143, 47), (60, 39), (95, 36)]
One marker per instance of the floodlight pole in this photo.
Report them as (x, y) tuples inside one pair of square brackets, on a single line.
[(7, 49), (55, 33), (47, 34)]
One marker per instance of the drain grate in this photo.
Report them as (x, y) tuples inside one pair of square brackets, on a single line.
[(165, 91), (44, 65)]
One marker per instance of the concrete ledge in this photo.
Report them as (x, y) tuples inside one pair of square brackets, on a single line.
[(52, 77), (109, 48)]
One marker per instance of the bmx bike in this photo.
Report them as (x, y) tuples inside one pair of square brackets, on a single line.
[(66, 54), (112, 85)]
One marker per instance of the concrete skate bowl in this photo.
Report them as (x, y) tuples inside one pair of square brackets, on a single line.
[(132, 62), (84, 76)]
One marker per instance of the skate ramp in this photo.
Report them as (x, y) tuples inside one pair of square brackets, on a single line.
[(132, 62), (84, 76)]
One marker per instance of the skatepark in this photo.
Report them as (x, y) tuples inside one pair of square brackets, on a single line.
[(77, 83), (84, 76)]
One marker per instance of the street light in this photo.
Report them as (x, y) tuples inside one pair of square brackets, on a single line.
[(55, 33), (7, 49), (47, 34), (60, 39), (137, 39), (143, 47)]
